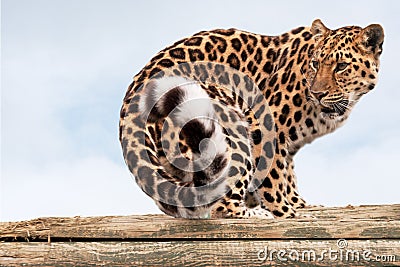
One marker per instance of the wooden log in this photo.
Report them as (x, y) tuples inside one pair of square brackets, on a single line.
[(200, 253), (356, 236)]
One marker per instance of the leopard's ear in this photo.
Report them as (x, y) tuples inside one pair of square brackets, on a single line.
[(318, 29), (370, 39)]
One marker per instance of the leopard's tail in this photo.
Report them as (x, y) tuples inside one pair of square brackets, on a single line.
[(182, 184), (191, 110)]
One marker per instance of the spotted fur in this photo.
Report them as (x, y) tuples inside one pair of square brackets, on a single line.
[(310, 79)]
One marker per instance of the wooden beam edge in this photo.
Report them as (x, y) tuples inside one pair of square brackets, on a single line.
[(363, 222)]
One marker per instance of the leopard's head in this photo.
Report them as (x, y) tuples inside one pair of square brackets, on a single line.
[(343, 67)]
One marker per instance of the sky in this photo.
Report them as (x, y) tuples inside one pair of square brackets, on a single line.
[(65, 67)]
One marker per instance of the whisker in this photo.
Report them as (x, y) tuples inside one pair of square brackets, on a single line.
[(345, 104), (337, 108)]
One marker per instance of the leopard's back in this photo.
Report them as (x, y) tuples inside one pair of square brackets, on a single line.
[(221, 111)]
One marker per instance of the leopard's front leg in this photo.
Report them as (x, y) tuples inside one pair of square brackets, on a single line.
[(233, 205), (278, 191), (292, 194)]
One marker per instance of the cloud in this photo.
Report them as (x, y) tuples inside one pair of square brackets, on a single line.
[(358, 175), (84, 187)]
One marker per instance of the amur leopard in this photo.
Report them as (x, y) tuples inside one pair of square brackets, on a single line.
[(210, 125)]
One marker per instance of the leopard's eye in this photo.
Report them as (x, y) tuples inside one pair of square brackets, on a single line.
[(341, 66), (315, 64)]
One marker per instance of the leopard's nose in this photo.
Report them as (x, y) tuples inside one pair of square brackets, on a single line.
[(320, 95)]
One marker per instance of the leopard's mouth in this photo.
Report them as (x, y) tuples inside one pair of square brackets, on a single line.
[(332, 109), (335, 110), (330, 113)]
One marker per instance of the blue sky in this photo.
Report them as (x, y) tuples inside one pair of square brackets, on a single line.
[(65, 67)]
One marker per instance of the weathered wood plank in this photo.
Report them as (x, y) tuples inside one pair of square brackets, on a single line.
[(203, 253), (328, 223), (157, 240)]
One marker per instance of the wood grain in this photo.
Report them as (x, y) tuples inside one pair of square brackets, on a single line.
[(202, 253), (349, 222), (158, 240)]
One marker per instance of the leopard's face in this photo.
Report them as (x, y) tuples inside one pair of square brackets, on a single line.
[(344, 67)]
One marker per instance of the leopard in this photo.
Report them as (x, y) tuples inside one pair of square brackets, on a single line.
[(210, 126)]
